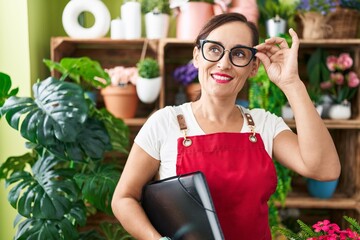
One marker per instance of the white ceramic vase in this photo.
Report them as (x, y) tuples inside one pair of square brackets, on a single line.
[(340, 111), (131, 16), (157, 25), (148, 90)]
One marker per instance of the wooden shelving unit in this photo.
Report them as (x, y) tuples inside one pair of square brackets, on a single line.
[(173, 52)]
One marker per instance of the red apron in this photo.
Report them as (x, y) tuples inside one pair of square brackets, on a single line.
[(241, 177)]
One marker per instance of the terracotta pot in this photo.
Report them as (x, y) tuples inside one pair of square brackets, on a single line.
[(122, 102), (193, 91), (192, 17)]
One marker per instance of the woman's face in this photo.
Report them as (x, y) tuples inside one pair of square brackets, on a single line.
[(222, 78)]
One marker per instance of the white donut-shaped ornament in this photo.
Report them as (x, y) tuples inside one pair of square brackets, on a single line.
[(71, 14)]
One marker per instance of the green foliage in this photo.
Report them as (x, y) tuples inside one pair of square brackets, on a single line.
[(114, 231), (65, 174), (102, 180), (265, 94), (317, 72), (271, 9), (83, 71), (148, 68), (156, 6), (5, 87), (354, 225)]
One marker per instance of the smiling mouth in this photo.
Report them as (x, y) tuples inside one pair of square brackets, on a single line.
[(220, 78)]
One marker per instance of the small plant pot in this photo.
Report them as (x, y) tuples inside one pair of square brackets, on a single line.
[(121, 101), (157, 25), (275, 27), (340, 111), (320, 189), (148, 90)]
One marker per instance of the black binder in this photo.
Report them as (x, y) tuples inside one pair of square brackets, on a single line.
[(181, 207)]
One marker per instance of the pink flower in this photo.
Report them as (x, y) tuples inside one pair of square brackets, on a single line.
[(331, 63), (353, 80), (337, 78), (333, 228), (321, 226), (120, 75), (344, 61), (326, 85)]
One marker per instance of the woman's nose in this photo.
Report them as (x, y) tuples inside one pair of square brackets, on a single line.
[(224, 62)]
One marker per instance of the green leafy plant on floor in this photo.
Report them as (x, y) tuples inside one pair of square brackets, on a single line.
[(265, 94), (65, 173)]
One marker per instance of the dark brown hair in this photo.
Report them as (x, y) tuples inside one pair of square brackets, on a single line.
[(220, 20)]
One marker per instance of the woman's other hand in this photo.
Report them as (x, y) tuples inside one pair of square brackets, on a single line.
[(280, 60)]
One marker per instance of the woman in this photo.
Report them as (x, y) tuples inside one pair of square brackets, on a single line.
[(231, 145)]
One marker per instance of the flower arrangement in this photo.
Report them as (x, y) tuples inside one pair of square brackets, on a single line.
[(186, 74), (323, 230), (121, 76), (343, 82)]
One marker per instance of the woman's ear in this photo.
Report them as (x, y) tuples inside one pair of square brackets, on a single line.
[(196, 56), (254, 67)]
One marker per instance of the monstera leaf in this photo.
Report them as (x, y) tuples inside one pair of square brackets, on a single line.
[(65, 228), (91, 142), (5, 86), (102, 180), (58, 112), (15, 164), (46, 193), (81, 69)]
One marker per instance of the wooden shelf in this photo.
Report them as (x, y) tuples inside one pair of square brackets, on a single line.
[(334, 124), (338, 201)]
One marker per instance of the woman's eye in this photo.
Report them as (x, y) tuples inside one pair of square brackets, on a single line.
[(239, 53), (214, 49)]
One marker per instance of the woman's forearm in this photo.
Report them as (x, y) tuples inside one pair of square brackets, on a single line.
[(315, 142), (133, 218)]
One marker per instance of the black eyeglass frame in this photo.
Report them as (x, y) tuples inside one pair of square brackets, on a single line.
[(203, 41)]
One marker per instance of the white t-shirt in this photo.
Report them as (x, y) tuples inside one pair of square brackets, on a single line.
[(158, 136)]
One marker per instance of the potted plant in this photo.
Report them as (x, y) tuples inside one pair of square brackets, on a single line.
[(191, 15), (120, 96), (65, 173), (157, 18), (324, 230), (149, 80), (276, 15), (342, 85), (187, 76)]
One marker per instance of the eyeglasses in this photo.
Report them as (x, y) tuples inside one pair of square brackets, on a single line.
[(240, 56)]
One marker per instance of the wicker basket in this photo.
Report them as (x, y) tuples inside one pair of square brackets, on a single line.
[(344, 22)]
